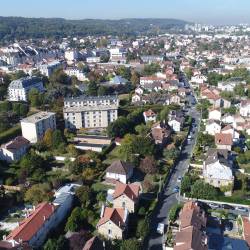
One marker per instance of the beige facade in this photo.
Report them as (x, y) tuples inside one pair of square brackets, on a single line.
[(124, 202), (90, 112), (110, 230)]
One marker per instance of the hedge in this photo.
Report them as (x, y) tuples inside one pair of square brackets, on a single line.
[(10, 134)]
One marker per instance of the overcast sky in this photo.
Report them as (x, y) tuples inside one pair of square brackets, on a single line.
[(204, 11)]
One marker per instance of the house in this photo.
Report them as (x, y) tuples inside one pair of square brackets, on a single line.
[(94, 244), (198, 79), (149, 80), (14, 149), (223, 141), (136, 98), (175, 99), (225, 103), (217, 169), (245, 108), (118, 80), (67, 189), (214, 114), (246, 230), (18, 90), (227, 119), (139, 91), (191, 230), (160, 133), (34, 229), (119, 171), (175, 120), (213, 127), (230, 130), (149, 116), (226, 86), (35, 126), (113, 222), (126, 196)]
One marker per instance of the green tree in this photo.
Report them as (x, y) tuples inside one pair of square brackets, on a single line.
[(34, 97), (83, 193), (92, 89), (74, 221), (48, 138), (202, 190), (130, 244), (148, 165), (135, 78), (57, 138), (142, 229), (37, 193), (174, 212), (119, 128)]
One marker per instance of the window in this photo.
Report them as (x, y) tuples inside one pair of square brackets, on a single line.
[(110, 232), (123, 204)]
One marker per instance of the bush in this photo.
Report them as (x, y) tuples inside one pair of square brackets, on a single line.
[(174, 212)]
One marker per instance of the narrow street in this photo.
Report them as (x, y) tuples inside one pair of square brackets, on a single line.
[(168, 197)]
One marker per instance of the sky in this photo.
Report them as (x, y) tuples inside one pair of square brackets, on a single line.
[(203, 11)]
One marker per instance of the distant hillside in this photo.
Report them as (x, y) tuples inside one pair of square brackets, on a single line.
[(21, 28)]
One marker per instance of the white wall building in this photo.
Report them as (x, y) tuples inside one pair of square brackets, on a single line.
[(18, 89), (14, 149), (34, 126)]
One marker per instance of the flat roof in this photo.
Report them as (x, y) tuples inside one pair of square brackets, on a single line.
[(37, 117)]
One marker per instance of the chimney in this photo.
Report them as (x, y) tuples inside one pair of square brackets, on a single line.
[(119, 224), (44, 218), (34, 208), (4, 237), (102, 211)]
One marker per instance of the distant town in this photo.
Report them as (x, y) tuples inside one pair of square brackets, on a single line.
[(128, 142)]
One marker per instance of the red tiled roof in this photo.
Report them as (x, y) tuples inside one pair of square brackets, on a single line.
[(223, 139), (246, 231), (116, 215), (31, 225), (149, 113), (130, 190)]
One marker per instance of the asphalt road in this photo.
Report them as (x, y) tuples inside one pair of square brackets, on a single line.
[(168, 198)]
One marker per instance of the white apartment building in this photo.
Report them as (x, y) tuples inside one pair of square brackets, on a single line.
[(93, 59), (18, 90), (90, 111), (77, 73), (48, 69), (71, 55), (118, 55), (34, 126)]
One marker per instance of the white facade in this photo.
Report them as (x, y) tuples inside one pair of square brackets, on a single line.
[(71, 55), (90, 112), (34, 127), (93, 59), (213, 128), (175, 125), (48, 69), (245, 109), (18, 90), (77, 73), (214, 115), (119, 177)]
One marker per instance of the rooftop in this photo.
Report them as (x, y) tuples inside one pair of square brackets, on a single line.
[(38, 117)]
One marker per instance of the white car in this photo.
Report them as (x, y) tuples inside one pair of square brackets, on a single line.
[(160, 228)]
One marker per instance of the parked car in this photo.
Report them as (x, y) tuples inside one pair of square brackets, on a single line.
[(160, 228), (242, 209), (176, 189), (179, 179), (226, 206), (214, 205), (228, 225)]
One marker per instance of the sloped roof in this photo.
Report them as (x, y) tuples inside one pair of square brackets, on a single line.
[(31, 225), (116, 215), (120, 167), (93, 244), (130, 190), (16, 143), (223, 139)]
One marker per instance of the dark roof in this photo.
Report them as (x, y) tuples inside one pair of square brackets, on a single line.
[(94, 244), (17, 143), (120, 167), (220, 155)]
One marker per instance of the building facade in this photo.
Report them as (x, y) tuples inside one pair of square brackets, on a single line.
[(90, 112), (18, 90), (34, 126)]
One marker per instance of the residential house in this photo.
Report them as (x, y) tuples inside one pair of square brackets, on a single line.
[(119, 171), (136, 98), (175, 99), (175, 120), (217, 169), (225, 103), (214, 114), (227, 119), (126, 196), (113, 222), (191, 230), (224, 141), (245, 108), (149, 116), (94, 244), (230, 130), (160, 133), (14, 149), (146, 80), (118, 80), (213, 127), (139, 91)]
